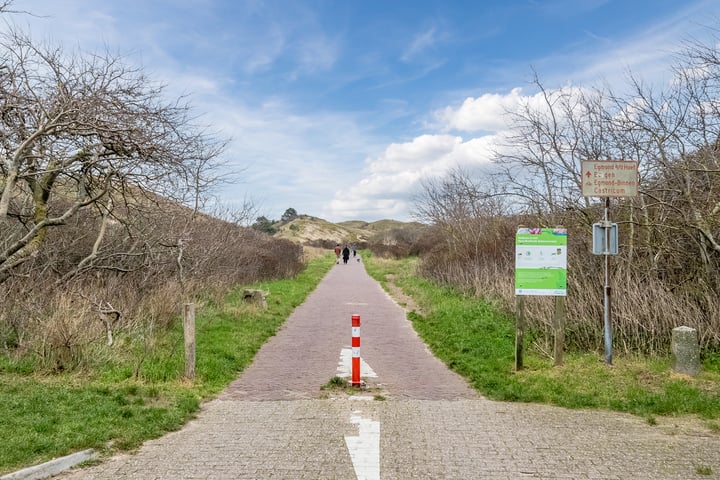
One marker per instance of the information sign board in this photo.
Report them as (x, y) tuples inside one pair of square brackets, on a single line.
[(541, 261)]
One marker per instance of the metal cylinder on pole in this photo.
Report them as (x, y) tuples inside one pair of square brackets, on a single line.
[(355, 367)]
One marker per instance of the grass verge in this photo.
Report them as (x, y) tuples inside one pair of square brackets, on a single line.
[(477, 340), (135, 396)]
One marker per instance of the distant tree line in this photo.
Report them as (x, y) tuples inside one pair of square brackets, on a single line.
[(263, 224)]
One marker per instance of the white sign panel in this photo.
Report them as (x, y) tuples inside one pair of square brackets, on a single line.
[(609, 179)]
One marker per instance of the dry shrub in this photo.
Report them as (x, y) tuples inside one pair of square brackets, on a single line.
[(474, 258), (400, 241), (154, 256), (311, 253), (645, 308), (61, 333), (160, 307), (389, 251), (323, 244)]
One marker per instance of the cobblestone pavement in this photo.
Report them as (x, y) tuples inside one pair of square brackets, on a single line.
[(275, 422)]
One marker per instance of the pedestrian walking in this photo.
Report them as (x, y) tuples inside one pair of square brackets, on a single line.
[(338, 250), (346, 254)]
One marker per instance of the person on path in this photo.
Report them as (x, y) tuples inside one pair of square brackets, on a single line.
[(346, 254), (337, 253)]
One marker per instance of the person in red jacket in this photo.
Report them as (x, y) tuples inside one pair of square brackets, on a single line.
[(338, 251)]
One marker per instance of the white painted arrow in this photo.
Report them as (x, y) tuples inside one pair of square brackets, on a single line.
[(345, 365), (365, 448)]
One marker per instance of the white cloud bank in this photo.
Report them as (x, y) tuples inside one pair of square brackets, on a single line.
[(484, 113), (391, 179)]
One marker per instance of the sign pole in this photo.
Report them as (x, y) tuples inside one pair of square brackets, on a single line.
[(559, 327), (607, 290), (608, 178), (519, 331)]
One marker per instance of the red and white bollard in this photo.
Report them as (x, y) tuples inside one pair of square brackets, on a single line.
[(355, 370)]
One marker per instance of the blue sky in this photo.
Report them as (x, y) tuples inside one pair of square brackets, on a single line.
[(339, 108)]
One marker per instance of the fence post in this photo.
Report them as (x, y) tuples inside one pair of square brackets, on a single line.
[(355, 368), (189, 331), (519, 330), (559, 327)]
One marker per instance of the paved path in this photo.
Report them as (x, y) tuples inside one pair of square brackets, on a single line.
[(275, 422)]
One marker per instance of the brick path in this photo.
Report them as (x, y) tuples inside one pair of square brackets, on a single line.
[(274, 422)]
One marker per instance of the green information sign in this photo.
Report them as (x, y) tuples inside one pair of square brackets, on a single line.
[(541, 261)]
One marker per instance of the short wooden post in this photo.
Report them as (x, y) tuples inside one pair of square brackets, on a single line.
[(559, 327), (189, 330), (519, 329)]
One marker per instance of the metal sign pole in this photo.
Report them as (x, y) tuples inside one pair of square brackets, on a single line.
[(608, 178), (607, 291)]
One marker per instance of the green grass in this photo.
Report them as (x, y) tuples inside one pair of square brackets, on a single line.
[(111, 408), (703, 470), (46, 417), (477, 340)]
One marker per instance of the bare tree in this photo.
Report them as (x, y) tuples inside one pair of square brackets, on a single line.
[(5, 6), (464, 210), (675, 133), (79, 131), (553, 132)]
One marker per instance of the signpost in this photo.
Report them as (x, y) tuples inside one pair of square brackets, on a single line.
[(608, 179)]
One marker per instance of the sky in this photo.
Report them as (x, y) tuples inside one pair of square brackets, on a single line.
[(340, 109)]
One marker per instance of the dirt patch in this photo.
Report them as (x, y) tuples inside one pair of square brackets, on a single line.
[(402, 299)]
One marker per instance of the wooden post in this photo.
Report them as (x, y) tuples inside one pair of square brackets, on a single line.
[(189, 330), (519, 328), (559, 327)]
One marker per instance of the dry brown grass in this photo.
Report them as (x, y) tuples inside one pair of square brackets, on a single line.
[(55, 307), (645, 308)]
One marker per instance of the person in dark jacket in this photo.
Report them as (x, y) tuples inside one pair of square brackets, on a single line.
[(346, 254)]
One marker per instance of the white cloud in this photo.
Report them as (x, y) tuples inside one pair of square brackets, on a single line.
[(484, 113), (289, 159), (392, 178), (261, 54), (317, 53), (420, 43)]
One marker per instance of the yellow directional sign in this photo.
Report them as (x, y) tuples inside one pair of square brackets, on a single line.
[(609, 178)]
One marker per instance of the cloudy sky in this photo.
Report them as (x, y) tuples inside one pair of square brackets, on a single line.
[(338, 108)]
